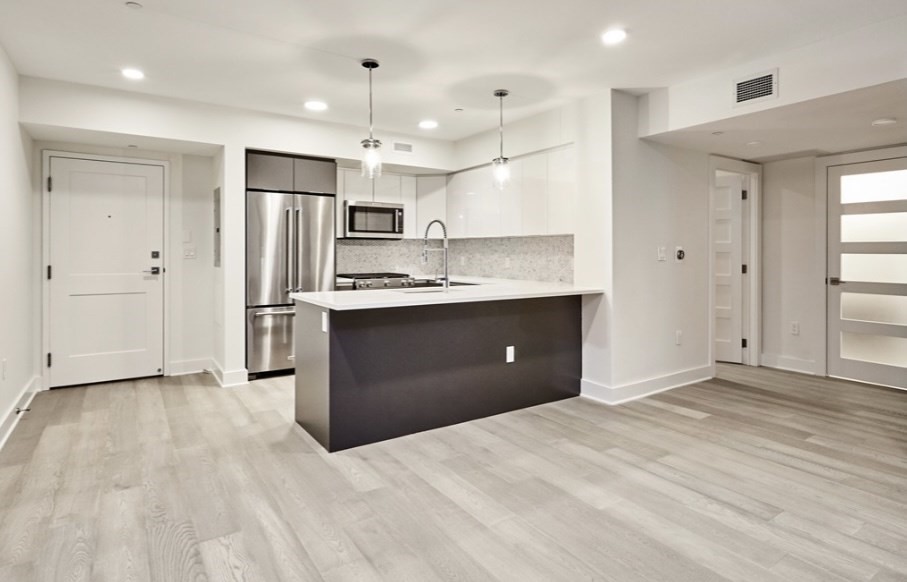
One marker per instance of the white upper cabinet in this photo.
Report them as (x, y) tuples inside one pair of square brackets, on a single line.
[(540, 198), (410, 207), (431, 202), (387, 189), (562, 210)]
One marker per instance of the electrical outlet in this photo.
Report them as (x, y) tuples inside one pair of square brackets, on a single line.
[(189, 252), (795, 328), (678, 337), (324, 321), (510, 355), (661, 254)]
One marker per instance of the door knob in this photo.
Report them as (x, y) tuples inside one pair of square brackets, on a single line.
[(153, 271)]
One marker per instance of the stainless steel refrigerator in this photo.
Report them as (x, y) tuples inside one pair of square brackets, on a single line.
[(289, 248)]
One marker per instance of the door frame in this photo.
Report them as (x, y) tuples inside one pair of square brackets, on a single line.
[(46, 155), (752, 256), (823, 165)]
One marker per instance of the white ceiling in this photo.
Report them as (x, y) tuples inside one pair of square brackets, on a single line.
[(838, 123), (271, 55)]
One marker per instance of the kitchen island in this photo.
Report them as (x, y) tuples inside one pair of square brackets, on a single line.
[(378, 364)]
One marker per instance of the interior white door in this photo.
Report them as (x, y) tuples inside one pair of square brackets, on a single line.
[(867, 272), (106, 319), (727, 249)]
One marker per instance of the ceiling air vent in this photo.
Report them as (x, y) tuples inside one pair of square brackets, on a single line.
[(756, 88), (406, 148)]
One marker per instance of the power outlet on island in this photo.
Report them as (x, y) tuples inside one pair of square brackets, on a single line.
[(510, 355)]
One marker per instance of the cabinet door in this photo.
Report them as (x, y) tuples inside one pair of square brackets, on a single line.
[(356, 188), (431, 202), (511, 199), (387, 189), (562, 211), (410, 212), (338, 204), (316, 176), (266, 172), (456, 206), (535, 194)]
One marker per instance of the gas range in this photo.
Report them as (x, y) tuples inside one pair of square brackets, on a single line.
[(378, 280)]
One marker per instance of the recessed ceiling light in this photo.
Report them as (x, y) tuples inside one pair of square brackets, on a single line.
[(316, 105), (614, 36), (717, 133), (883, 121), (134, 74), (459, 110), (428, 124), (754, 143), (132, 145), (134, 5)]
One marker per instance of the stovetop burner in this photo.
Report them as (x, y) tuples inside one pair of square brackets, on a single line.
[(372, 275)]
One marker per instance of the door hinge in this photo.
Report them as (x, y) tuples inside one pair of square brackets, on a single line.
[(745, 194), (50, 184), (49, 359), (744, 269), (50, 273), (743, 343)]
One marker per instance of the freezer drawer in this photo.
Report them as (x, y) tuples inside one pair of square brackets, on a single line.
[(269, 338)]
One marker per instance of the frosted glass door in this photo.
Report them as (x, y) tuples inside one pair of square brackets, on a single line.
[(867, 272)]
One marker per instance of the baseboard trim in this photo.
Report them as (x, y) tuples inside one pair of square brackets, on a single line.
[(183, 367), (789, 364), (613, 395), (228, 378), (11, 419)]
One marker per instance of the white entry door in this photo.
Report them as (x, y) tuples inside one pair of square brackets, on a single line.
[(727, 247), (867, 272), (106, 302)]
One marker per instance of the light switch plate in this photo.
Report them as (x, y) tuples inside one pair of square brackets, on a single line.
[(511, 355), (661, 254), (324, 321)]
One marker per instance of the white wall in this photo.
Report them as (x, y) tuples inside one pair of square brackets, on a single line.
[(868, 56), (660, 198), (789, 266), (192, 229), (80, 107), (19, 293)]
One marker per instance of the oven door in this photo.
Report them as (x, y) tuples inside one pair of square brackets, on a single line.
[(373, 220)]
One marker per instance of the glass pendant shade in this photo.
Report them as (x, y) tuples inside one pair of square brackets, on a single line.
[(500, 170), (371, 158)]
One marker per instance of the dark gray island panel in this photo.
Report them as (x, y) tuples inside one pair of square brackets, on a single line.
[(397, 371)]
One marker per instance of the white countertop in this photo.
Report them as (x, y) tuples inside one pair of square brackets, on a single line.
[(484, 290)]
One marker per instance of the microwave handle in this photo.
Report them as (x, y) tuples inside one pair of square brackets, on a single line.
[(398, 219)]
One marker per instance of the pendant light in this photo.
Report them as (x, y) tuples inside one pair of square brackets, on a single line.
[(500, 168), (371, 156)]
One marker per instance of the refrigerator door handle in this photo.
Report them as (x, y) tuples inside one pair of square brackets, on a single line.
[(290, 248), (299, 258)]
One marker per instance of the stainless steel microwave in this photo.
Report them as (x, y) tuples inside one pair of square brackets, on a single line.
[(372, 220)]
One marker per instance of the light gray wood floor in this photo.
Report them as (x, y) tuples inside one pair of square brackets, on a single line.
[(757, 475)]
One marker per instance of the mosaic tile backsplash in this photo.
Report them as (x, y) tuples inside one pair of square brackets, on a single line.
[(535, 258)]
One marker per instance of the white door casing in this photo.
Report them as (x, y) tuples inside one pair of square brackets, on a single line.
[(105, 316), (727, 246), (867, 253)]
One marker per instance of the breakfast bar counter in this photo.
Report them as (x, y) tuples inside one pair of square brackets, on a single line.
[(378, 364)]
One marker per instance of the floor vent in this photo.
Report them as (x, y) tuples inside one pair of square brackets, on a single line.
[(406, 148), (756, 88)]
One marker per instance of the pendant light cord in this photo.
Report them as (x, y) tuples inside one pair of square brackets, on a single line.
[(370, 136), (501, 124)]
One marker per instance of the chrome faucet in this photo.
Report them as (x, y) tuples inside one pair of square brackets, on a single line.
[(426, 250)]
